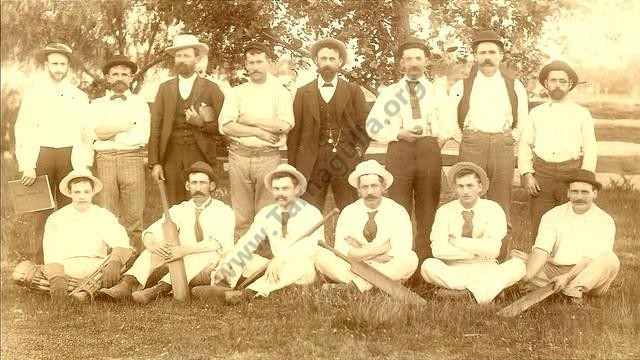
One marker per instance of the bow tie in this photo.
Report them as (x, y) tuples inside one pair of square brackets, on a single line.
[(118, 96), (327, 84)]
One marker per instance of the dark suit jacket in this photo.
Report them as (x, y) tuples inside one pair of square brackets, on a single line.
[(163, 113), (303, 141)]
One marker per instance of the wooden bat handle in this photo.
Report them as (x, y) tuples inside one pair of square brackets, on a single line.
[(163, 199)]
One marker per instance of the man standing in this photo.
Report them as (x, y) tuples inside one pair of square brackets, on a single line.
[(574, 247), (48, 132), (374, 229), (78, 237), (205, 229), (492, 109), (329, 137), (558, 138), (281, 224), (119, 129), (413, 117), (183, 119), (466, 238), (257, 117)]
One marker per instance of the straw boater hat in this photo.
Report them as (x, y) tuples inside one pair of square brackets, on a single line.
[(187, 41), (487, 36), (412, 42), (286, 168), (59, 48), (451, 175), (119, 60), (582, 175), (79, 173), (561, 66), (202, 167), (367, 168), (331, 43)]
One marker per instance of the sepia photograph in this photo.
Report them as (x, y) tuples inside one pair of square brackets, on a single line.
[(320, 179)]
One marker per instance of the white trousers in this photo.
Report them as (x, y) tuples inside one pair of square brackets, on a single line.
[(594, 280), (485, 280), (298, 271), (398, 268), (81, 267), (193, 264)]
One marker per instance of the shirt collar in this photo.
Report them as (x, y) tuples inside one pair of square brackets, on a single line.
[(321, 81), (422, 79), (482, 77), (473, 208), (205, 205), (127, 93)]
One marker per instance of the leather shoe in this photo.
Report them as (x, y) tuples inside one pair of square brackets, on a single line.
[(148, 295)]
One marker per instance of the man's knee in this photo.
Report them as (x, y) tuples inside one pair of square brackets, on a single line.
[(429, 267)]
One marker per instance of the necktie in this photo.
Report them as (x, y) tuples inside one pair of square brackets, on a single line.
[(413, 100), (198, 229), (467, 227), (285, 220), (118, 96), (327, 84), (370, 227)]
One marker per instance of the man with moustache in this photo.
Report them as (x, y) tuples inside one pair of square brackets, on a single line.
[(413, 117), (574, 246), (374, 229), (184, 119), (492, 109), (119, 129), (205, 229), (329, 136), (466, 239), (256, 117), (559, 137), (48, 132)]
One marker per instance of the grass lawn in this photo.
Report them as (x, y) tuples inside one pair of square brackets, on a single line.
[(308, 323)]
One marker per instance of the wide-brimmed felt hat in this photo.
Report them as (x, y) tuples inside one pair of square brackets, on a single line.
[(184, 41), (582, 175), (560, 66), (79, 173), (202, 167), (330, 43), (410, 43), (487, 36), (119, 60), (367, 168), (286, 168), (59, 48), (465, 165)]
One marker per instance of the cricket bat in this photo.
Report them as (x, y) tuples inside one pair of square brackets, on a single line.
[(378, 279), (527, 301), (177, 272)]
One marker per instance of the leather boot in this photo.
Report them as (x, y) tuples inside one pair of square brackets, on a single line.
[(122, 290), (148, 295)]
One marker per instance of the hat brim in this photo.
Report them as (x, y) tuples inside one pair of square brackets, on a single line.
[(386, 175), (544, 73), (42, 56), (331, 43), (593, 182), (64, 184), (130, 64), (204, 49), (456, 168), (302, 181)]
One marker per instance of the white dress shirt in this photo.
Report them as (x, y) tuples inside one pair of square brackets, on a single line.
[(185, 85), (392, 112), (269, 100), (392, 220), (489, 106), (51, 115), (132, 110), (558, 132), (489, 228), (568, 237), (327, 91)]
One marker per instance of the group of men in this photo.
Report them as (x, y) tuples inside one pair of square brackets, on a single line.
[(327, 129)]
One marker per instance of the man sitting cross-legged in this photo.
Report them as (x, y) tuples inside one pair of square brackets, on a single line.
[(574, 246), (374, 229), (205, 229), (466, 238), (281, 224)]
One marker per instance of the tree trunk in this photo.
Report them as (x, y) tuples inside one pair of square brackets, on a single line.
[(400, 28)]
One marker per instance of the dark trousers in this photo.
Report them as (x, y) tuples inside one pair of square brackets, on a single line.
[(416, 169), (330, 169), (56, 164), (493, 152), (553, 190), (177, 159)]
